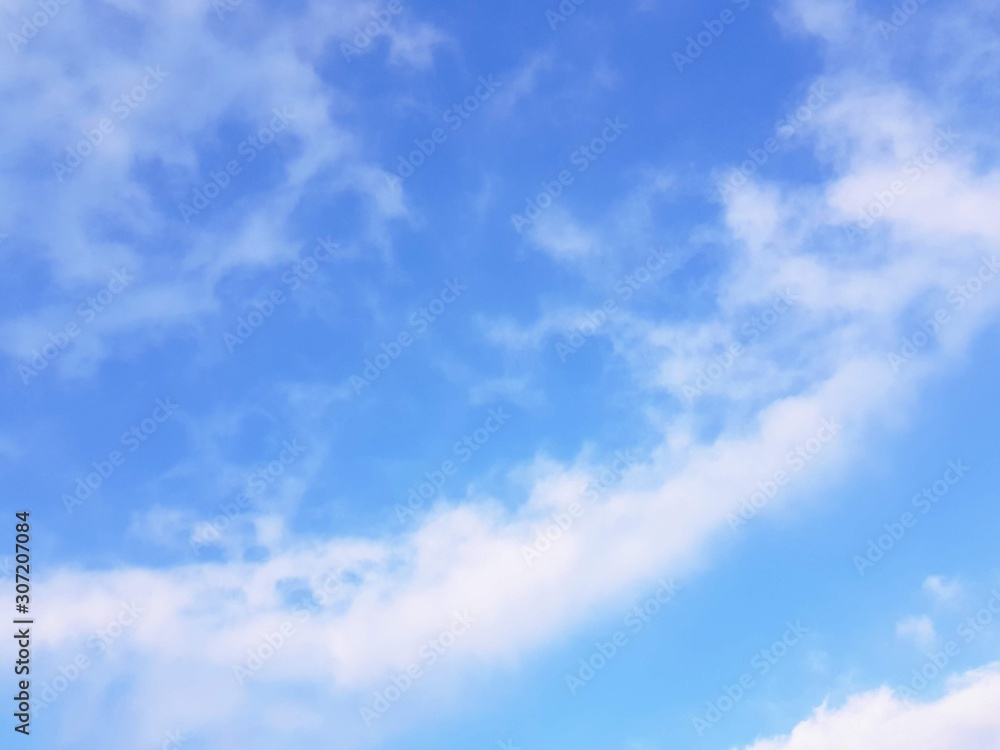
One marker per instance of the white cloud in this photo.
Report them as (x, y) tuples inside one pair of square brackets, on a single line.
[(965, 717), (918, 629), (521, 82), (827, 18), (415, 44), (162, 526), (659, 518), (942, 590), (559, 235), (119, 206)]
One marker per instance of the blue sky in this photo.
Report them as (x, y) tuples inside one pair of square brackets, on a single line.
[(367, 365)]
